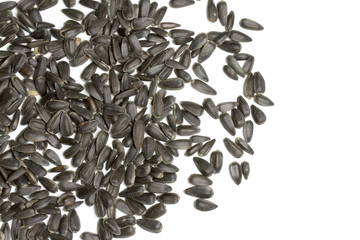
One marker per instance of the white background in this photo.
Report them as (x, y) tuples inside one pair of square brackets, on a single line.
[(304, 180)]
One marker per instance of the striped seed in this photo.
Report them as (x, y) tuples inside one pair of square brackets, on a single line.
[(235, 172), (233, 148), (250, 24), (204, 205)]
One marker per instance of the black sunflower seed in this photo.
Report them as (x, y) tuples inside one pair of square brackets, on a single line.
[(204, 205), (250, 24), (227, 123), (155, 211), (199, 180), (258, 115), (203, 87), (203, 166), (235, 172), (200, 191), (233, 148)]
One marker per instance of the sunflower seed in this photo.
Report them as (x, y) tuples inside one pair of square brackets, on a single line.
[(235, 172), (206, 51), (248, 65), (46, 4), (199, 180), (258, 115), (200, 191), (232, 62), (248, 88), (122, 206), (226, 106), (222, 12), (26, 5), (211, 11), (250, 24), (237, 117), (48, 184), (203, 87), (172, 84), (155, 187), (259, 83), (186, 130), (244, 145), (183, 74), (69, 3), (137, 208), (204, 205), (200, 72), (155, 211), (190, 118), (263, 100), (150, 225), (227, 123), (181, 144), (221, 38), (54, 222), (52, 157), (180, 3), (233, 148), (74, 221), (138, 133), (111, 226), (203, 166), (192, 107), (89, 236)]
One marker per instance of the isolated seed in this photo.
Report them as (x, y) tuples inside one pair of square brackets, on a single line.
[(248, 130), (180, 3), (204, 205), (250, 24)]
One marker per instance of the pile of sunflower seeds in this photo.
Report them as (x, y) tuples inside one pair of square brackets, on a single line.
[(129, 65)]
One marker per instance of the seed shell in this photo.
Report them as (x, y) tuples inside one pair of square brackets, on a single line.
[(204, 205), (250, 24), (235, 172)]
